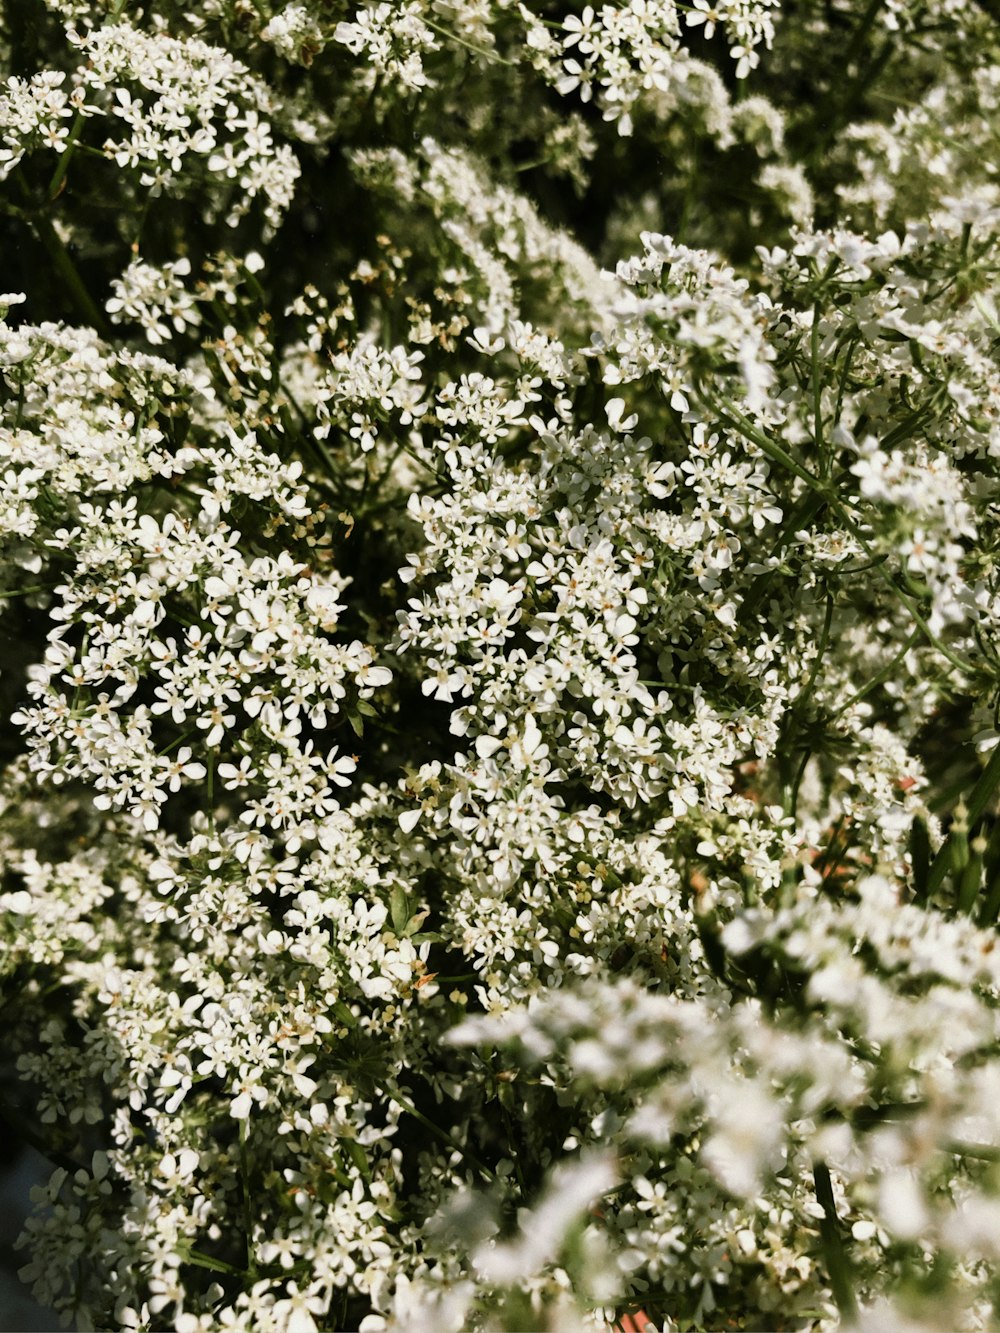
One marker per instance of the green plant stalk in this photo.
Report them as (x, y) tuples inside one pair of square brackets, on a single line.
[(791, 793), (73, 141), (247, 1205), (730, 416), (969, 884), (981, 1152), (803, 697), (904, 598), (64, 266), (62, 166), (483, 52), (436, 1130), (878, 678), (991, 855), (210, 788), (817, 391), (860, 34), (837, 1263), (213, 1265)]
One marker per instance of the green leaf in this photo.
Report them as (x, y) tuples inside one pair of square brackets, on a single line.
[(989, 910), (358, 1156), (970, 883), (837, 1263), (399, 909)]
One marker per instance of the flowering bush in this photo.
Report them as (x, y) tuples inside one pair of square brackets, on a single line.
[(500, 539)]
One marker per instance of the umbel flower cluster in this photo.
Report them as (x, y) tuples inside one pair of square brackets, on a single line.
[(500, 581)]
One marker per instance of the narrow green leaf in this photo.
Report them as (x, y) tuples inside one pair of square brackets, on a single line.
[(399, 909), (989, 910), (970, 883), (920, 857), (837, 1263), (982, 792)]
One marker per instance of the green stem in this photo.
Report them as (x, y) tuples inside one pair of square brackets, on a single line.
[(213, 1265), (731, 416), (817, 662), (984, 788), (73, 141), (481, 51), (25, 592), (49, 239), (247, 1208), (878, 678), (62, 166), (854, 528), (861, 32), (210, 788), (437, 1131), (817, 390), (66, 269), (178, 740), (982, 1152), (844, 374)]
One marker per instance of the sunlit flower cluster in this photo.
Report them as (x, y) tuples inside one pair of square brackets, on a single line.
[(500, 579)]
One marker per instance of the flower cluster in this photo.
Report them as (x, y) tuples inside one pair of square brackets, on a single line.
[(500, 580)]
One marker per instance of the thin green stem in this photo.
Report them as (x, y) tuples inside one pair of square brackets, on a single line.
[(878, 678), (860, 35), (62, 166), (983, 790), (73, 140), (436, 1130), (731, 416), (25, 592), (817, 662), (64, 266), (210, 788), (817, 391), (178, 740), (200, 1260), (483, 52), (791, 795), (855, 529), (247, 1202), (49, 239), (981, 1152), (844, 375)]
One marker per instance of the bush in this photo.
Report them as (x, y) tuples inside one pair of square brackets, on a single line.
[(501, 597)]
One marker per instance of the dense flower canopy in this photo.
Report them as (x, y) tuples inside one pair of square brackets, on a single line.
[(500, 527)]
